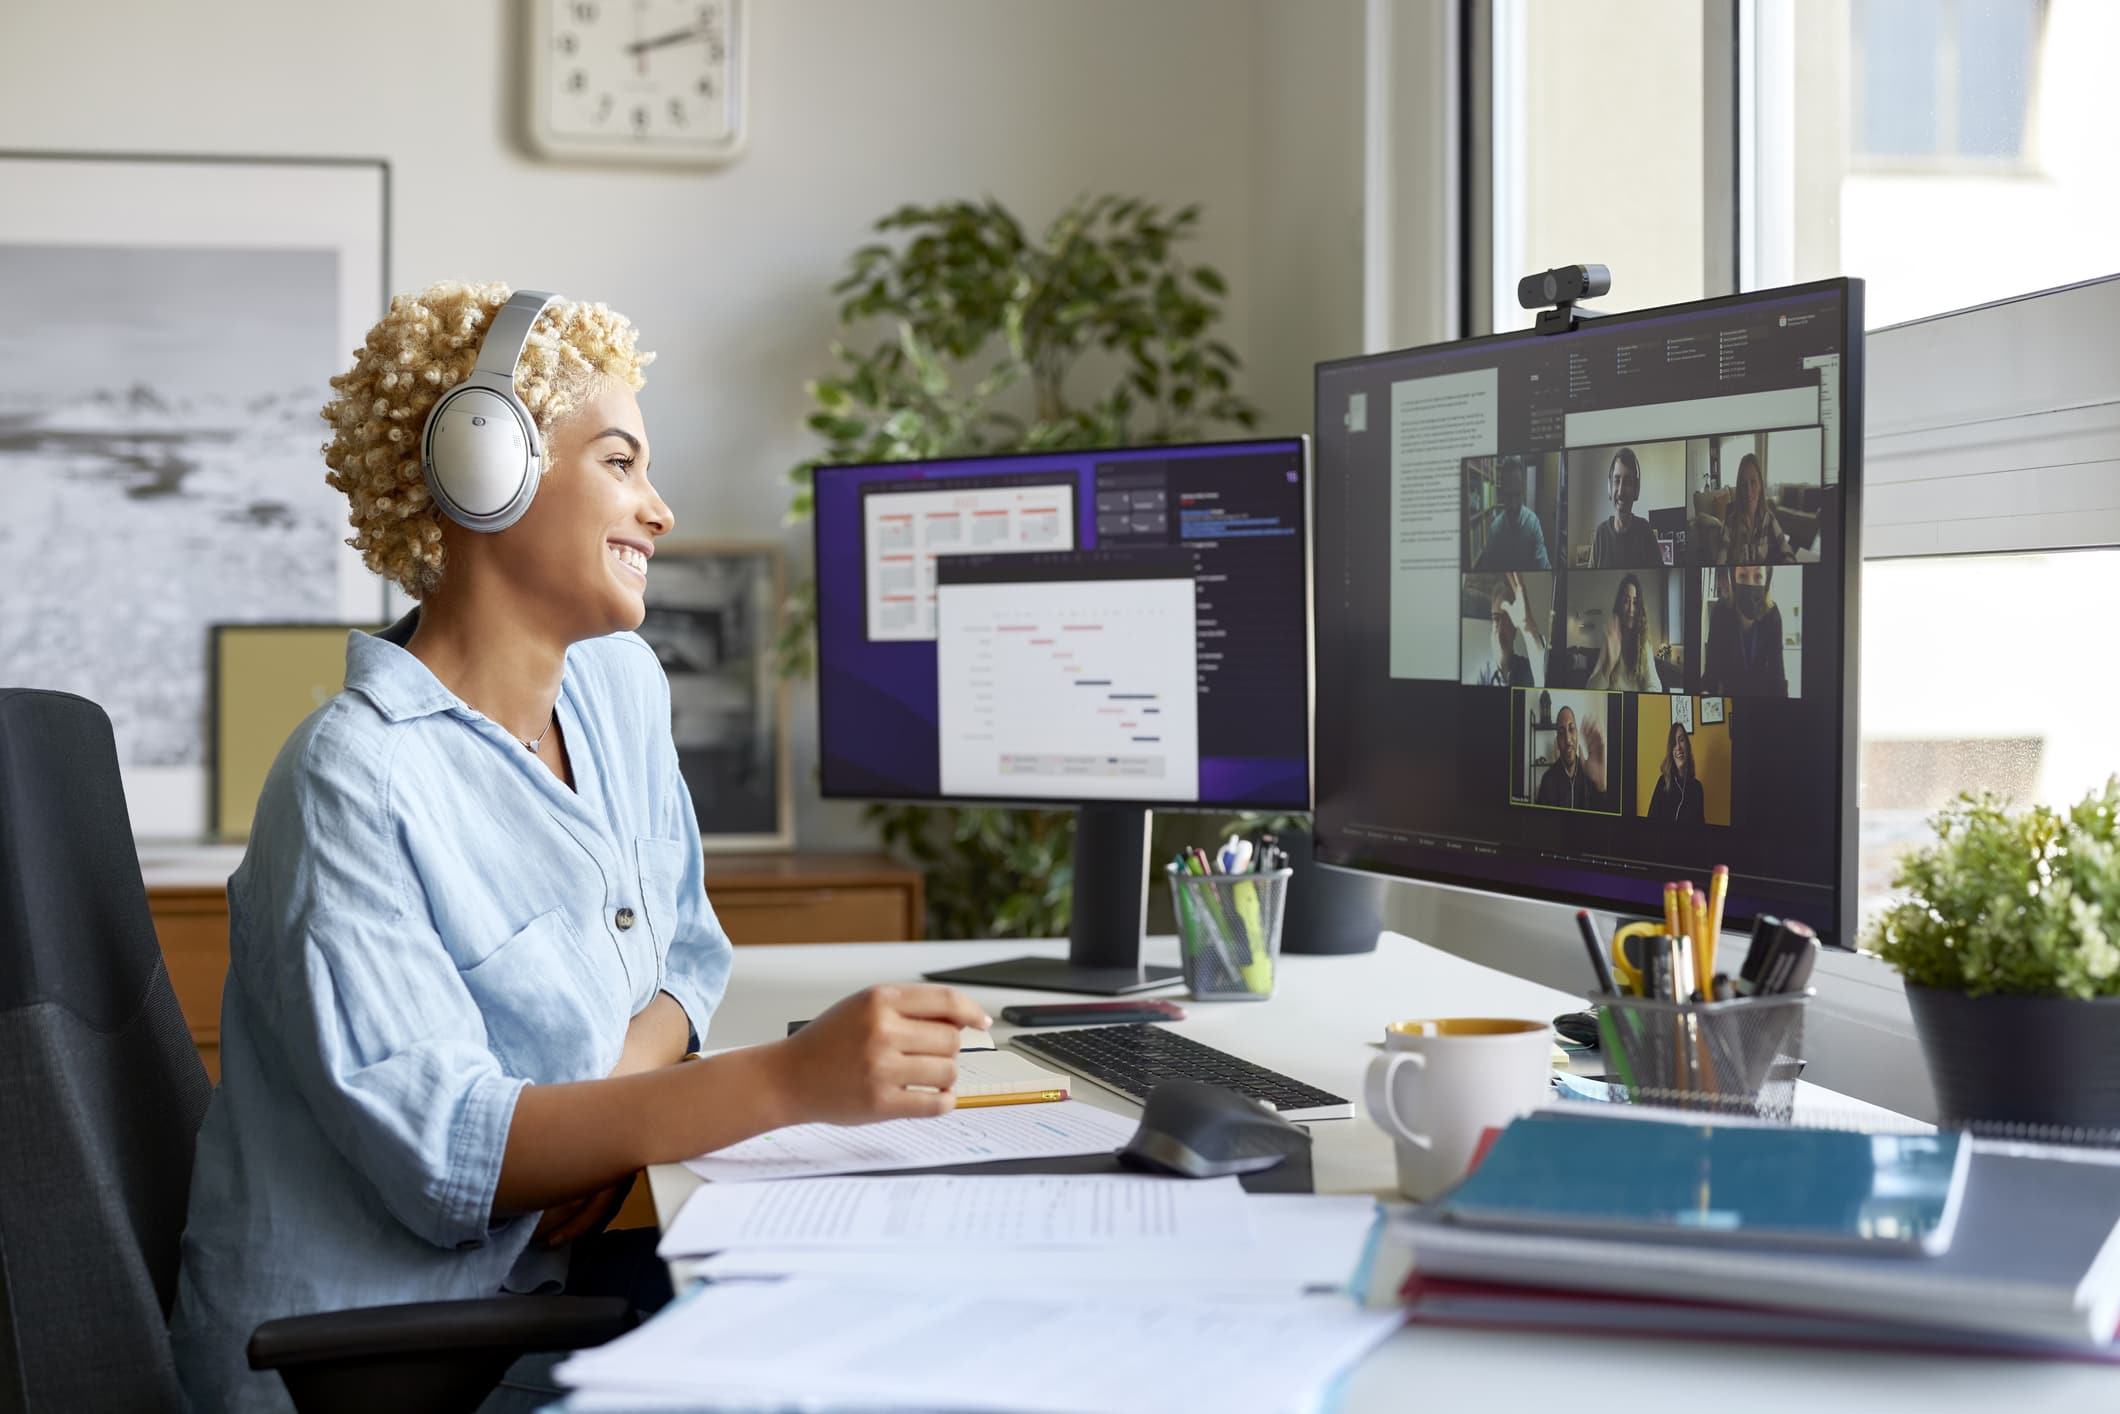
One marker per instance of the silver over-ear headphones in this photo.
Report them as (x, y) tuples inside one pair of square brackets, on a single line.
[(480, 447)]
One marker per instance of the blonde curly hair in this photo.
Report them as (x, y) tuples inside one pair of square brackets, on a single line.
[(429, 342)]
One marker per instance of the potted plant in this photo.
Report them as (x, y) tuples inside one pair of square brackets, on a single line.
[(963, 332), (2009, 941)]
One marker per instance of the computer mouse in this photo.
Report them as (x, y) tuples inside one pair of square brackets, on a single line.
[(1196, 1130), (1578, 1028)]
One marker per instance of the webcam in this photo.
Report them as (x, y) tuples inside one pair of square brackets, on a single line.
[(1564, 284)]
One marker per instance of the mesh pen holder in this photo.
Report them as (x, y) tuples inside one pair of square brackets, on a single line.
[(1738, 1057), (1229, 932)]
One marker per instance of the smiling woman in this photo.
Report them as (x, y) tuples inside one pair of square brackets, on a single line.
[(469, 941)]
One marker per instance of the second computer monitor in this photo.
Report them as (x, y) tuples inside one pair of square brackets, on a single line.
[(1587, 607), (1127, 626)]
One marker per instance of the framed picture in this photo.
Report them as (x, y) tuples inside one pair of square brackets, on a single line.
[(713, 619), (172, 327), (266, 679)]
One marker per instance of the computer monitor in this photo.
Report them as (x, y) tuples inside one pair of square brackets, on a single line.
[(1116, 630), (1587, 608)]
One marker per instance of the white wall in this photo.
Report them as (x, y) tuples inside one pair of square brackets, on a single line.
[(1250, 108)]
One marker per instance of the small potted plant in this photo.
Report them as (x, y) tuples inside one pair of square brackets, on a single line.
[(2009, 941)]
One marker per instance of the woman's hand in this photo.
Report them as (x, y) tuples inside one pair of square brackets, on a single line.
[(576, 1218), (854, 1064)]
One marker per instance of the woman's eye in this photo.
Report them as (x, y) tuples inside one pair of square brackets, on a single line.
[(623, 465)]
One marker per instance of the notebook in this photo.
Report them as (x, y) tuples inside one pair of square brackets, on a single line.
[(2036, 1256), (1718, 1185), (1003, 1077)]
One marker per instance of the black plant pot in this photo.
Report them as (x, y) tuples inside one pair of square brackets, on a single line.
[(2000, 1060), (1328, 912)]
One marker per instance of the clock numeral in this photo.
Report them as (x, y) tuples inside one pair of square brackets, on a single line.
[(586, 11), (566, 44), (640, 120), (578, 81), (706, 88), (716, 50), (677, 111), (603, 108)]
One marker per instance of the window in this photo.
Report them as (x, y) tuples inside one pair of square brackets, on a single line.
[(1949, 152), (1979, 672), (1597, 132), (1946, 83)]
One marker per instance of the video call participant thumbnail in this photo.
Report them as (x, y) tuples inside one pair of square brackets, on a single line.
[(1746, 653), (1503, 530), (1505, 633), (1570, 751), (1689, 781), (1613, 492), (1751, 534), (1622, 630)]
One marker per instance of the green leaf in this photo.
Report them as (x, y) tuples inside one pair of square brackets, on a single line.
[(1207, 278)]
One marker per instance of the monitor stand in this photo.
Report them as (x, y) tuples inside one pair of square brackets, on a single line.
[(1110, 915)]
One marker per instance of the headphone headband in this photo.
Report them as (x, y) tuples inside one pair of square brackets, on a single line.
[(502, 348)]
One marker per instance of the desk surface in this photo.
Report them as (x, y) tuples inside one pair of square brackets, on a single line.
[(1319, 1028)]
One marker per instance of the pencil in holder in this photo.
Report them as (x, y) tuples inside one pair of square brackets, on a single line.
[(1738, 1057), (1229, 932)]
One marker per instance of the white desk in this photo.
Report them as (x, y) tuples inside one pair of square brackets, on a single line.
[(1319, 1028)]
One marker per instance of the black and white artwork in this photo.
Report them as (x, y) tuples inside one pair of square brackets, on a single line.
[(171, 332), (713, 615)]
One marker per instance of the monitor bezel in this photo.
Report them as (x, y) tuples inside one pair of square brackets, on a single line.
[(1840, 931), (1301, 442)]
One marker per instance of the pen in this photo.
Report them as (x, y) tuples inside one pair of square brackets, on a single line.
[(1597, 952)]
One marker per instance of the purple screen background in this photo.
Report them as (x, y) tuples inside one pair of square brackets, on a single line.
[(878, 720)]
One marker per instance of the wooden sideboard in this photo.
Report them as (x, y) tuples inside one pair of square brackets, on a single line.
[(760, 898)]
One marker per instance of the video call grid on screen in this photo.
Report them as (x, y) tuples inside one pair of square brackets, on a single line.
[(1646, 513), (921, 697)]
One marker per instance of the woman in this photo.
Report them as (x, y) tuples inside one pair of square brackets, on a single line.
[(469, 940), (1624, 665), (1624, 541), (1751, 535), (1678, 795)]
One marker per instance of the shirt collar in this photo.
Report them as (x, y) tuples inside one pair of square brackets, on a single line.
[(399, 685)]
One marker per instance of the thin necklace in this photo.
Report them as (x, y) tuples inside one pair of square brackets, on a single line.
[(534, 745)]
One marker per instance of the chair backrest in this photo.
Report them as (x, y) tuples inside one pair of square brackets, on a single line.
[(100, 1085)]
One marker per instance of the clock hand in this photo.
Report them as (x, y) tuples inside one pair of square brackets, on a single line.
[(675, 36)]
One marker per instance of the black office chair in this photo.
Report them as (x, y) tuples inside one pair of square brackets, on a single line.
[(103, 1093)]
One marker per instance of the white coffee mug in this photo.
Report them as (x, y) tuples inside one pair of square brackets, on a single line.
[(1440, 1084)]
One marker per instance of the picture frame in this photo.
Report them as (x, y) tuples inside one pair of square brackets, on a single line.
[(1711, 710), (266, 678), (713, 619), (175, 320)]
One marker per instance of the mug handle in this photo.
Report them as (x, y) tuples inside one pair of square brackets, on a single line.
[(1382, 1071)]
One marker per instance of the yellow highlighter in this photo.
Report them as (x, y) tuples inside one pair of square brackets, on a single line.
[(1258, 971)]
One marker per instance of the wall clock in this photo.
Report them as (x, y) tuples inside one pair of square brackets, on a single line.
[(636, 81)]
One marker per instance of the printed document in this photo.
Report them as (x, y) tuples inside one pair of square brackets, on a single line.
[(881, 1347), (961, 1137), (935, 1210)]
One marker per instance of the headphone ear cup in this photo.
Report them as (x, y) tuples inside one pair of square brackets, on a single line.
[(481, 465)]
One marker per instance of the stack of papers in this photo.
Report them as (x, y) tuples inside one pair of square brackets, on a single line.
[(855, 1346)]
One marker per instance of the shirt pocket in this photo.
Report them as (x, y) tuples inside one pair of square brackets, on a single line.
[(545, 1009), (662, 871)]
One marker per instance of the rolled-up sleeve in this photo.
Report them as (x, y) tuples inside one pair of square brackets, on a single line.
[(390, 1054)]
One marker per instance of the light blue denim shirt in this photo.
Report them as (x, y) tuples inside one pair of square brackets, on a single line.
[(425, 921)]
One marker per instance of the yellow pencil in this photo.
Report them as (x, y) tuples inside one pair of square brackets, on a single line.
[(1718, 892), (1683, 942), (1027, 1097)]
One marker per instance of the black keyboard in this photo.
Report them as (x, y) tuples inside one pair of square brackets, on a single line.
[(1131, 1059)]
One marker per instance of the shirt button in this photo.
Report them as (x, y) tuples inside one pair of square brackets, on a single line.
[(623, 918)]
